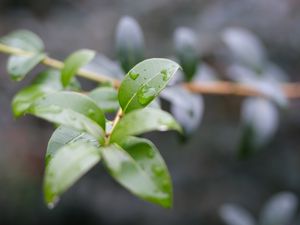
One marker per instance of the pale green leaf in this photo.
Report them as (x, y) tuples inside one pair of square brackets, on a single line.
[(69, 164), (106, 98), (143, 120), (144, 82), (74, 62)]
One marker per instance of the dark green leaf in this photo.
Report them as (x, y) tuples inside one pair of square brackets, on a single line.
[(106, 98), (68, 164), (186, 49), (144, 82), (73, 63), (19, 66), (141, 121), (46, 82), (138, 166), (71, 109), (280, 209), (129, 42), (25, 40)]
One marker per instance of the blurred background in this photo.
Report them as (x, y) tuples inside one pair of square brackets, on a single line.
[(205, 169)]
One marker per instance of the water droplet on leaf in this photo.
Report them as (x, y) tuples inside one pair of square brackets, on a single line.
[(146, 94), (165, 75), (133, 75), (91, 112), (157, 170)]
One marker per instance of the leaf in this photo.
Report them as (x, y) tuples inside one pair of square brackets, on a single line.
[(71, 109), (233, 214), (65, 135), (106, 98), (19, 66), (73, 63), (138, 166), (144, 82), (246, 48), (46, 82), (187, 108), (141, 121), (129, 43), (279, 210), (259, 123), (25, 40), (186, 49), (68, 164)]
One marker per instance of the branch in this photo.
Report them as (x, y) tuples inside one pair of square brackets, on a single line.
[(291, 90)]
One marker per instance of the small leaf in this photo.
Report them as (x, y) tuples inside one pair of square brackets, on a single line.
[(25, 40), (144, 82), (71, 109), (186, 49), (73, 63), (46, 82), (65, 135), (259, 123), (19, 66), (247, 49), (187, 108), (233, 214), (68, 164), (129, 43), (141, 121), (279, 210), (138, 166), (106, 98)]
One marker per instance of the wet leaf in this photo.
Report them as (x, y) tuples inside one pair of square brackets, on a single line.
[(144, 82), (106, 98)]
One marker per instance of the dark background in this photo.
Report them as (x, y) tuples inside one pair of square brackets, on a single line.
[(205, 170)]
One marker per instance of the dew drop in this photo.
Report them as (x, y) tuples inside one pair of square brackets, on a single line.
[(150, 154), (165, 75), (52, 204), (91, 112), (158, 170), (133, 75), (146, 94)]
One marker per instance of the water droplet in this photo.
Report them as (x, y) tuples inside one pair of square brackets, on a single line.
[(150, 154), (133, 75), (52, 204), (165, 75), (146, 94), (158, 170), (91, 112)]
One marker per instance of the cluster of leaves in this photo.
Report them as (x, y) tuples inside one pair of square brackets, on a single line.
[(84, 135), (279, 210)]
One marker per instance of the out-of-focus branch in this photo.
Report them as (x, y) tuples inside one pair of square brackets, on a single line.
[(291, 90)]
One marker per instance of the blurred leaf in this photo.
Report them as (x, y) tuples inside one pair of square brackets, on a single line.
[(187, 108), (71, 109), (106, 98), (19, 66), (103, 65), (138, 166), (73, 63), (46, 82), (129, 43), (65, 135), (279, 210), (259, 123), (25, 40), (67, 165), (141, 121), (205, 74), (186, 49), (246, 48), (144, 82), (233, 214)]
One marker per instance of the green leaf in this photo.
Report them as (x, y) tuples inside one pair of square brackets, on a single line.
[(19, 66), (138, 166), (64, 135), (141, 121), (46, 82), (68, 164), (129, 43), (186, 49), (106, 98), (144, 82), (71, 109), (74, 62), (25, 40)]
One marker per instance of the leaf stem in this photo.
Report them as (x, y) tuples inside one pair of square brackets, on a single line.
[(117, 118), (291, 90)]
